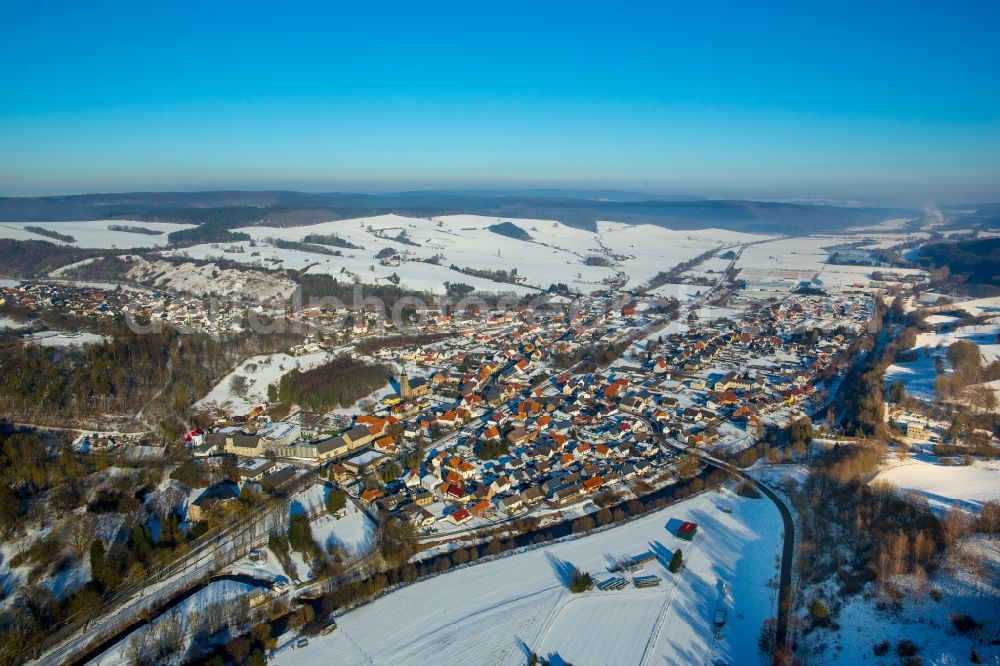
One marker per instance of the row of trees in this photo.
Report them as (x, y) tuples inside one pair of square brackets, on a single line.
[(860, 531), (967, 371), (372, 345)]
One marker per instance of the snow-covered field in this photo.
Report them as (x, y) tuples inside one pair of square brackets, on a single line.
[(917, 376), (498, 612), (945, 486), (209, 279), (980, 306), (13, 324), (656, 249), (554, 253), (786, 253), (808, 255), (354, 532), (95, 233), (62, 338)]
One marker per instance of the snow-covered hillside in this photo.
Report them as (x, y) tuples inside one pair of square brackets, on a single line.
[(95, 233), (944, 486), (552, 252)]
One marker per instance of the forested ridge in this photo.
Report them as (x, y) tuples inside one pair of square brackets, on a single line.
[(977, 260), (122, 375), (26, 259)]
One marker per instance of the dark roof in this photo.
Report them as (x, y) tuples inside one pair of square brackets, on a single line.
[(330, 444), (357, 432), (223, 490), (282, 476)]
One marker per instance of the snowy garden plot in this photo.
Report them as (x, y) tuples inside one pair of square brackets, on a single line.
[(498, 611), (354, 532)]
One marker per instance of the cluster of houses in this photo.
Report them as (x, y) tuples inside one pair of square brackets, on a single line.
[(545, 465), (493, 428), (70, 298)]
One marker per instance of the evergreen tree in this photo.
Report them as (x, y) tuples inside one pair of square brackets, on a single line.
[(676, 561), (336, 500)]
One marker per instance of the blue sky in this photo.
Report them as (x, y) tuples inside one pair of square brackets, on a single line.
[(826, 99)]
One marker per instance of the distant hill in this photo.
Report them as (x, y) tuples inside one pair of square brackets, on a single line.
[(556, 193), (229, 209)]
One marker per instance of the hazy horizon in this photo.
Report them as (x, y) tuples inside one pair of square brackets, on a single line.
[(846, 101)]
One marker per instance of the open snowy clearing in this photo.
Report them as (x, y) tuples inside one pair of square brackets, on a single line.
[(917, 376), (945, 486), (260, 372), (13, 324), (498, 612), (62, 338), (979, 306)]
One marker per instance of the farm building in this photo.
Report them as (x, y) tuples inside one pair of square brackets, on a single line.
[(643, 558), (687, 530)]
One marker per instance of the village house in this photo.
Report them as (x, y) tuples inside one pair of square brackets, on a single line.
[(254, 469)]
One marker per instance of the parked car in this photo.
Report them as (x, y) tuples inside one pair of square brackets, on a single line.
[(302, 642), (329, 629)]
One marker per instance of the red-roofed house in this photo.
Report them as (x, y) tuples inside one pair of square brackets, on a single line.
[(459, 516)]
